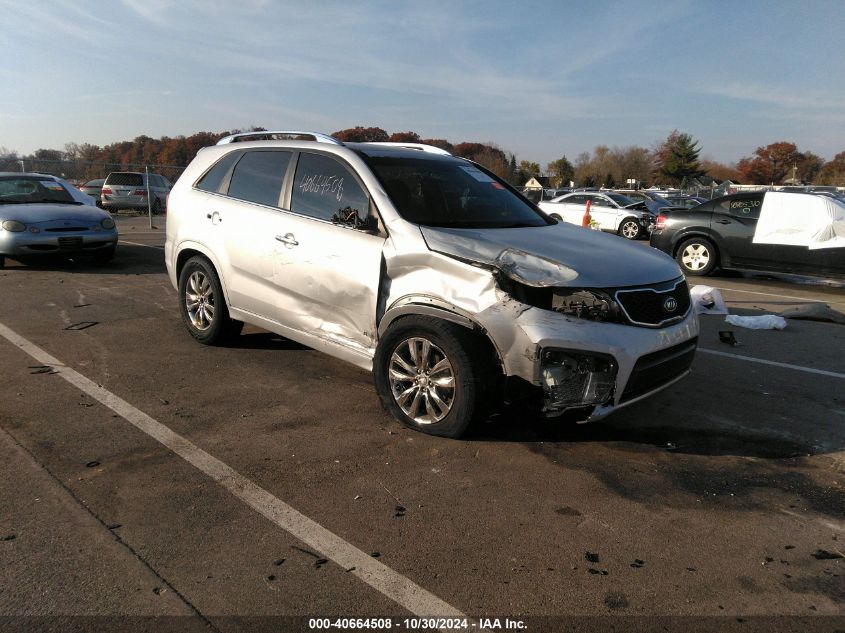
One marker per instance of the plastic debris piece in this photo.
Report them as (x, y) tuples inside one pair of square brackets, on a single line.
[(320, 562), (814, 312), (400, 511), (375, 554), (637, 564), (762, 322), (92, 464), (727, 337), (602, 572), (9, 537), (823, 554), (707, 300), (591, 557), (82, 325)]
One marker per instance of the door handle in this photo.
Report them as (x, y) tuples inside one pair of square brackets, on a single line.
[(722, 221), (288, 239), (214, 217)]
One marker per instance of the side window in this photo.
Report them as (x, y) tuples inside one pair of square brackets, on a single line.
[(600, 201), (746, 208), (258, 177), (323, 188), (576, 200), (213, 178)]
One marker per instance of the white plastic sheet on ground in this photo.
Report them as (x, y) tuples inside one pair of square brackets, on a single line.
[(762, 322), (707, 300), (801, 219)]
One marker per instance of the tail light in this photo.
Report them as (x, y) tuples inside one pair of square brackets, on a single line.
[(661, 222), (139, 192), (106, 190)]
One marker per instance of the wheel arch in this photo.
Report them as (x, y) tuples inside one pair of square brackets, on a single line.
[(428, 306), (187, 251), (680, 239)]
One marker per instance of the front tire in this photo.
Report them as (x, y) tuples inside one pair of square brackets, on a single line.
[(429, 374), (697, 256), (630, 229), (202, 304)]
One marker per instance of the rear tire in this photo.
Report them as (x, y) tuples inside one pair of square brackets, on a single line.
[(203, 306), (697, 256), (630, 229), (157, 207), (430, 375)]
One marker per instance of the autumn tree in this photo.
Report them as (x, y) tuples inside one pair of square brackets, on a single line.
[(770, 164), (676, 159), (404, 137), (833, 172), (442, 143), (360, 134), (719, 171), (562, 172)]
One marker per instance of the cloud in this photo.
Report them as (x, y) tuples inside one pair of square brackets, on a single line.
[(793, 98)]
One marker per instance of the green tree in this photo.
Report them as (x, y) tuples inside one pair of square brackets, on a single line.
[(561, 171), (677, 158)]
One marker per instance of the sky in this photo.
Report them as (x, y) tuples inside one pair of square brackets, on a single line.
[(539, 79)]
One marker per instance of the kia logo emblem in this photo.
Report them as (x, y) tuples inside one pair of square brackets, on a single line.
[(670, 304)]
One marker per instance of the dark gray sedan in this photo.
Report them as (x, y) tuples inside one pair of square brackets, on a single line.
[(44, 215)]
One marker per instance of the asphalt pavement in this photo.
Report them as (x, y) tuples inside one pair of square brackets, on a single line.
[(261, 484)]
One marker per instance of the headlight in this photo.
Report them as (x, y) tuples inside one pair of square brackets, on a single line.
[(533, 270), (585, 304), (14, 226), (107, 223)]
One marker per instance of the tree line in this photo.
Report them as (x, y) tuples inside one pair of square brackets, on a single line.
[(674, 161)]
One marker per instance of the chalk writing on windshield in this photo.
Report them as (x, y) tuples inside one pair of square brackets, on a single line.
[(322, 185)]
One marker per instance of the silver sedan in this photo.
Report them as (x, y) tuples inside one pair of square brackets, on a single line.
[(43, 215)]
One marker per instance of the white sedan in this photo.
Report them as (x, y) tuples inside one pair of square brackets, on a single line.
[(612, 212)]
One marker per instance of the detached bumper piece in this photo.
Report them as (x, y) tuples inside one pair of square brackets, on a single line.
[(574, 379)]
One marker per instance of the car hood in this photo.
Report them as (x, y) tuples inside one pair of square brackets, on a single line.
[(46, 212), (599, 260)]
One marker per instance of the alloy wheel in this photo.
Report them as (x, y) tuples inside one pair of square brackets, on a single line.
[(422, 380), (695, 256), (199, 300)]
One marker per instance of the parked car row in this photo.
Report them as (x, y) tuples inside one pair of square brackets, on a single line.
[(610, 211)]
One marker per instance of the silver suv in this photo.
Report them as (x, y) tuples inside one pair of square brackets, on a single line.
[(135, 190), (427, 269)]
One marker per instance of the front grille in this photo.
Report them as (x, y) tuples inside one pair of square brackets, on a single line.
[(67, 229), (658, 368), (70, 243), (654, 306)]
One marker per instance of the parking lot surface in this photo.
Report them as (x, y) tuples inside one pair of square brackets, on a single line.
[(147, 475)]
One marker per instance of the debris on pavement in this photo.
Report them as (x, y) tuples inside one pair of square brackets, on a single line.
[(400, 511), (638, 563), (42, 369), (92, 464), (762, 322), (82, 325), (823, 554), (602, 572), (375, 554), (814, 312), (591, 557), (727, 337), (707, 300), (9, 537)]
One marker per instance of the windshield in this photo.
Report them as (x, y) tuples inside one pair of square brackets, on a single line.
[(622, 201), (451, 193), (30, 189)]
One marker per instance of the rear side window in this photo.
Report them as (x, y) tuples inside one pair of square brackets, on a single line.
[(214, 177), (323, 187), (743, 208), (125, 179), (258, 177)]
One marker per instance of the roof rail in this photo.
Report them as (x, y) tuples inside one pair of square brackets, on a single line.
[(431, 149), (243, 136)]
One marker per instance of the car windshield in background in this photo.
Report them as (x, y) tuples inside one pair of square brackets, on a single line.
[(622, 201), (125, 179), (32, 189), (451, 193)]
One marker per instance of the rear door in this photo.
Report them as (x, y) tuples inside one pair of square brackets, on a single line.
[(603, 211), (733, 223)]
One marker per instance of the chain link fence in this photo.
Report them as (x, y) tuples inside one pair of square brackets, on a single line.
[(79, 172)]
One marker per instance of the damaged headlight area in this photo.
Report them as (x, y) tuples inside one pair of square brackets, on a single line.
[(594, 305), (573, 379)]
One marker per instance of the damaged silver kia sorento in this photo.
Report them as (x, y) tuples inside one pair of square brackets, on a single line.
[(428, 270)]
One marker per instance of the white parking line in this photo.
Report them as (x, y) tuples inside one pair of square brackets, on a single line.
[(751, 359), (383, 579), (139, 244)]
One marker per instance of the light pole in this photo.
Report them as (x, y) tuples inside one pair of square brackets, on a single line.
[(774, 164)]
